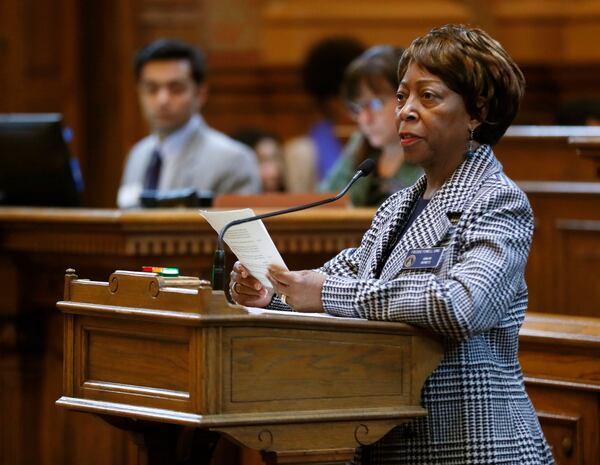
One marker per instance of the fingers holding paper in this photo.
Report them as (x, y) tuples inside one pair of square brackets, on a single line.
[(245, 289), (301, 290)]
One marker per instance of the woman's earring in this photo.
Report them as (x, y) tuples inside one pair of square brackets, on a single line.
[(471, 143)]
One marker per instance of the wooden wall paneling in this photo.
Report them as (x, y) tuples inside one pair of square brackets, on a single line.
[(69, 438), (576, 79), (541, 100), (232, 27), (182, 19), (5, 35), (110, 104), (559, 355), (40, 47), (20, 371), (10, 71), (545, 153), (290, 27), (536, 272), (17, 391), (266, 97), (550, 84), (533, 31), (21, 376), (530, 35), (567, 419), (564, 213), (578, 266)]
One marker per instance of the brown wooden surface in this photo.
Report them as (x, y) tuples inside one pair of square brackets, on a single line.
[(548, 153), (587, 147), (41, 70), (278, 200), (560, 356), (282, 383), (39, 244), (563, 271)]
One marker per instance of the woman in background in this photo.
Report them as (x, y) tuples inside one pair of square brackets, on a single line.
[(269, 154), (309, 157), (369, 89)]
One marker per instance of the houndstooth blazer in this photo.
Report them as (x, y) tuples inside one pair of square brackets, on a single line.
[(478, 411)]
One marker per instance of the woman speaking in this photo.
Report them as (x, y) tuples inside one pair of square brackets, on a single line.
[(447, 254)]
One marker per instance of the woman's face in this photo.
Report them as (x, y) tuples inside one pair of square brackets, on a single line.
[(270, 164), (375, 113), (432, 121)]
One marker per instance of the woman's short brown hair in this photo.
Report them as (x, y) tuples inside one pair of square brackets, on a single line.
[(474, 65)]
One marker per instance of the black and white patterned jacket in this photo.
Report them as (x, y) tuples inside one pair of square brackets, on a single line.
[(478, 411)]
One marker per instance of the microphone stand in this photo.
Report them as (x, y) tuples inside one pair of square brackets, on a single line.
[(218, 270)]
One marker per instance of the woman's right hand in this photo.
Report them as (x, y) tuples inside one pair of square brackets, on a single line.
[(246, 290)]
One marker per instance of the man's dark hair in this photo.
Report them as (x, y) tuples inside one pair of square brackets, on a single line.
[(171, 49), (325, 63)]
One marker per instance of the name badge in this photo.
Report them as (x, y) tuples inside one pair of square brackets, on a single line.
[(418, 259)]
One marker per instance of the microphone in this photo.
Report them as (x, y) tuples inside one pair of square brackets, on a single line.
[(218, 270)]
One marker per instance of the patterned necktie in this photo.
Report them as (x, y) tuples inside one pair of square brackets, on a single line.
[(153, 171)]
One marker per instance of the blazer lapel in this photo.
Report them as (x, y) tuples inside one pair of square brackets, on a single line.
[(399, 213), (432, 225)]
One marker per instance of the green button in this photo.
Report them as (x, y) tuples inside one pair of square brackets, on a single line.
[(169, 272)]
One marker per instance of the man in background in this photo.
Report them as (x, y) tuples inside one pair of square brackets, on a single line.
[(182, 152)]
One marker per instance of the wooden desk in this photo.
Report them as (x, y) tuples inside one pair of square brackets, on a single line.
[(563, 271), (548, 153), (560, 357), (587, 147)]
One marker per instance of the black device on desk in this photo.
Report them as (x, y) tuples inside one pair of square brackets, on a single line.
[(188, 197), (36, 168)]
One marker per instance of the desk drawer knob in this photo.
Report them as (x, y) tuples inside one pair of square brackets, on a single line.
[(566, 446)]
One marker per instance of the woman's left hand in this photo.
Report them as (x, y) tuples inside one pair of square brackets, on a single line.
[(302, 289)]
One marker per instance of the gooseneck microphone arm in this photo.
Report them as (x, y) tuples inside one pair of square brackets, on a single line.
[(218, 271)]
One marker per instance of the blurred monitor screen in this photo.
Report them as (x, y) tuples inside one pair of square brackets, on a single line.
[(36, 168)]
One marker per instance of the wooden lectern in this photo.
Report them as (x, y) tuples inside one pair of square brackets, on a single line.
[(168, 363)]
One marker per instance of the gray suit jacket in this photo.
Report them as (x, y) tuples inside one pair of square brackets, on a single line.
[(478, 410), (210, 161)]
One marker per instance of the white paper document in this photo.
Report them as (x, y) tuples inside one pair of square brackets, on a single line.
[(250, 242)]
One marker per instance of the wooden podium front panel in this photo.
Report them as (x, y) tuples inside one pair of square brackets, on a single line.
[(123, 361), (273, 369)]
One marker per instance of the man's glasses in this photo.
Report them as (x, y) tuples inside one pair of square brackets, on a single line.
[(373, 105)]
